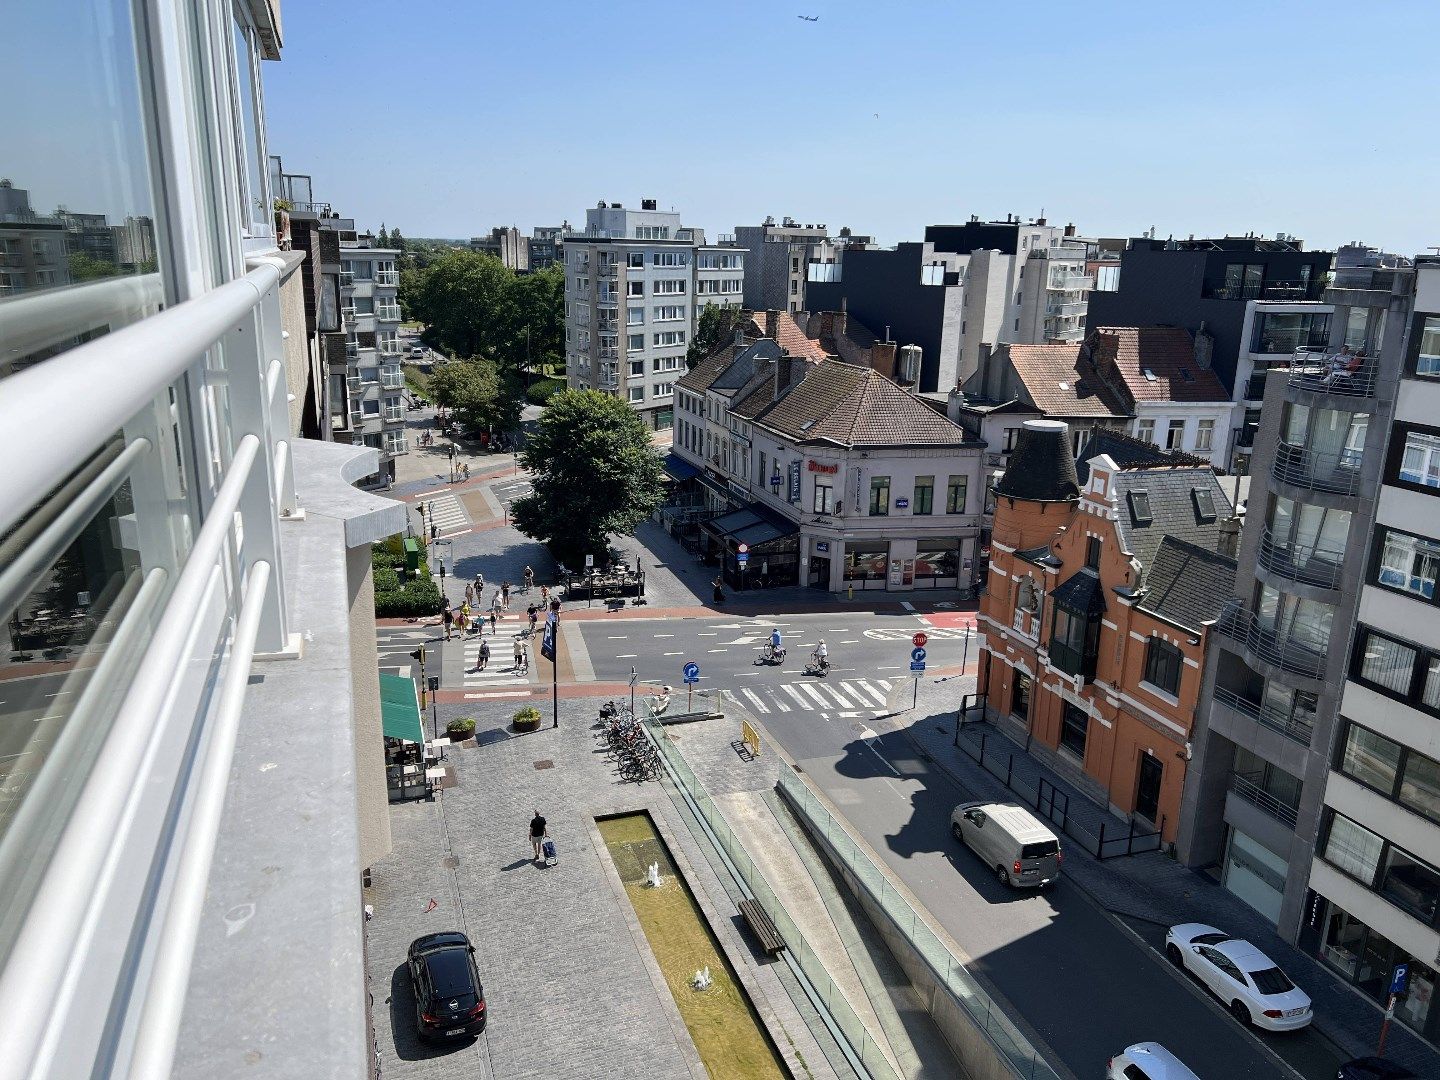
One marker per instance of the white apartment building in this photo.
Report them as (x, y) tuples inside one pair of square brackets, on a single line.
[(635, 281), (374, 385)]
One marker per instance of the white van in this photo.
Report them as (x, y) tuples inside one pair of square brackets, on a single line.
[(1011, 840)]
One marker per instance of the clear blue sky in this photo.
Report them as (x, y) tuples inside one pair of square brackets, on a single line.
[(1312, 118)]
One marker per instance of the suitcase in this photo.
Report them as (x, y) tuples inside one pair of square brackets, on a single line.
[(549, 849)]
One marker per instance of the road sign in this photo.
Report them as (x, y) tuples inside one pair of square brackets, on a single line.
[(920, 639), (589, 561), (633, 677), (742, 558), (692, 672), (1399, 978), (742, 548), (917, 665), (918, 655)]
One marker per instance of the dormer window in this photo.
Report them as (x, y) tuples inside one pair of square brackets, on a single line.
[(1140, 507), (1204, 504)]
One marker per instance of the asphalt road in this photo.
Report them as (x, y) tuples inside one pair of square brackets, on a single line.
[(1082, 982)]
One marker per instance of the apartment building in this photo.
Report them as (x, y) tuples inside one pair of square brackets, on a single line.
[(32, 247), (547, 245), (1102, 583), (1332, 536), (635, 281), (965, 288), (779, 261), (831, 474), (506, 243), (374, 384), (193, 773)]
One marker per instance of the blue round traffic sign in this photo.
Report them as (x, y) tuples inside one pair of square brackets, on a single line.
[(692, 671), (917, 654)]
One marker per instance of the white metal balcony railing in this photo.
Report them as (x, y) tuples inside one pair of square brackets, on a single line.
[(607, 324), (392, 380), (388, 347), (394, 413), (141, 736), (607, 270), (607, 301), (387, 312), (1070, 282), (387, 278), (352, 349), (1063, 308), (347, 312), (352, 382), (609, 353), (357, 416), (347, 278), (1297, 730), (1333, 371)]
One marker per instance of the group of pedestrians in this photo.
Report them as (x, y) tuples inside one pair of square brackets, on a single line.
[(473, 612)]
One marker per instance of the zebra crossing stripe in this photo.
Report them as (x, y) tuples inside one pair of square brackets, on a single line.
[(845, 703), (876, 694), (815, 694), (800, 701), (760, 706)]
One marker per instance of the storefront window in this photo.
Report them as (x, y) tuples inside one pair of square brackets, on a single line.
[(866, 561), (938, 558)]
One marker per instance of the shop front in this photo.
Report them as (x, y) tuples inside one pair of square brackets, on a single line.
[(1254, 873), (772, 548), (1367, 960)]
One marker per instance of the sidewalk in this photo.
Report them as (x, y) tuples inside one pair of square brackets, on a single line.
[(1153, 888)]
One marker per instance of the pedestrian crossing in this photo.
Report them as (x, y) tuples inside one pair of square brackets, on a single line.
[(446, 514), (499, 679), (846, 698)]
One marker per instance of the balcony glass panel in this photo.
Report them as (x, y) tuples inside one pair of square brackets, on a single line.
[(1284, 332)]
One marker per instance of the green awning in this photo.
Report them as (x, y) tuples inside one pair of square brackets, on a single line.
[(400, 709)]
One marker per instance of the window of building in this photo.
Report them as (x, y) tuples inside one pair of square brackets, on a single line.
[(794, 287), (370, 407), (669, 337), (635, 288), (1407, 563), (669, 312), (1420, 459), (664, 390), (866, 560), (1011, 434), (1410, 884), (1074, 642), (1353, 849), (1020, 696), (824, 497), (635, 316), (1074, 726), (1356, 326), (1204, 434), (1284, 332), (637, 368), (637, 393), (1145, 431), (1140, 511), (1017, 324), (1175, 435), (1092, 552), (1384, 663), (635, 343), (955, 494), (924, 499), (1427, 360), (879, 496), (937, 557), (635, 260), (670, 287), (1163, 662), (1243, 281)]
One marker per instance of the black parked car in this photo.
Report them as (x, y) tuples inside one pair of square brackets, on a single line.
[(449, 1000), (1373, 1068)]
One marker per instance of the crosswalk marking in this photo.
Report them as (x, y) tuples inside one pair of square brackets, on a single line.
[(446, 514), (845, 699)]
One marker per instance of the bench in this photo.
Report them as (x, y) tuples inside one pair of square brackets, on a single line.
[(761, 926)]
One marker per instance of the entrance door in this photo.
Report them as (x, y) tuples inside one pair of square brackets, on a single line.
[(820, 571), (1147, 789)]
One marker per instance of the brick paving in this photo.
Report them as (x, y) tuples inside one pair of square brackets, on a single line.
[(572, 988), (1153, 888)]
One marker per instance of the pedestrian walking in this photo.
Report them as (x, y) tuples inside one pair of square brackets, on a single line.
[(538, 832), (545, 597), (448, 618), (469, 593), (484, 656), (529, 579), (494, 618), (479, 586), (505, 596), (520, 658)]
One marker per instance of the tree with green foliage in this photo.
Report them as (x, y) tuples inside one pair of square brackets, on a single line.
[(478, 394), (396, 240), (537, 314), (594, 473), (86, 267), (465, 298), (716, 327), (382, 238)]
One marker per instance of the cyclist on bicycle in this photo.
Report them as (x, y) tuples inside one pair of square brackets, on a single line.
[(822, 656), (776, 643)]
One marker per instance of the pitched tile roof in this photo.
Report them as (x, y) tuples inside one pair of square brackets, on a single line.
[(1056, 382), (788, 333), (1158, 502), (1153, 363), (852, 346), (1187, 584), (699, 377), (853, 406), (1129, 453), (748, 363)]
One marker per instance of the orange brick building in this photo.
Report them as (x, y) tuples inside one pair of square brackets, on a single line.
[(1103, 583)]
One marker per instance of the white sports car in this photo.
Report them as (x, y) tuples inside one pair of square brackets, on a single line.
[(1249, 983)]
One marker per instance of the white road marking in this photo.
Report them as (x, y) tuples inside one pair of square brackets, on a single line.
[(878, 697), (851, 641), (907, 605), (799, 700), (897, 667), (674, 654), (712, 634), (664, 635), (815, 694), (850, 715), (760, 706), (615, 637), (626, 656), (717, 650), (498, 694)]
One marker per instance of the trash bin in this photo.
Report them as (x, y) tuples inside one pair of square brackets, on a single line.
[(412, 554)]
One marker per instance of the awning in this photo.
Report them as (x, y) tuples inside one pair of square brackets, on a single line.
[(400, 709), (752, 526), (678, 467)]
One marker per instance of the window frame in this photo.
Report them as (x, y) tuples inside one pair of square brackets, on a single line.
[(1395, 457), (953, 505), (924, 486), (877, 485), (1379, 546), (1395, 792), (1164, 665)]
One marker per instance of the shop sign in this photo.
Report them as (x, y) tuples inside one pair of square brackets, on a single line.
[(795, 481), (738, 489), (822, 547), (902, 504), (821, 467)]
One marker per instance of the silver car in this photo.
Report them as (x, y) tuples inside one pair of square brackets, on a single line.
[(1022, 851)]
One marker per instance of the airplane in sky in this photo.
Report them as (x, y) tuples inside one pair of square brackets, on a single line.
[(809, 18)]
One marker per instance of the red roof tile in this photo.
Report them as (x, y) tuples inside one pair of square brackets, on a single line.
[(1154, 363), (1056, 385)]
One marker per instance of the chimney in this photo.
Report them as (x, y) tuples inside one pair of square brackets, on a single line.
[(882, 359), (1070, 230), (739, 336), (785, 373), (842, 318), (1204, 347), (1228, 542), (772, 325), (827, 329)]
